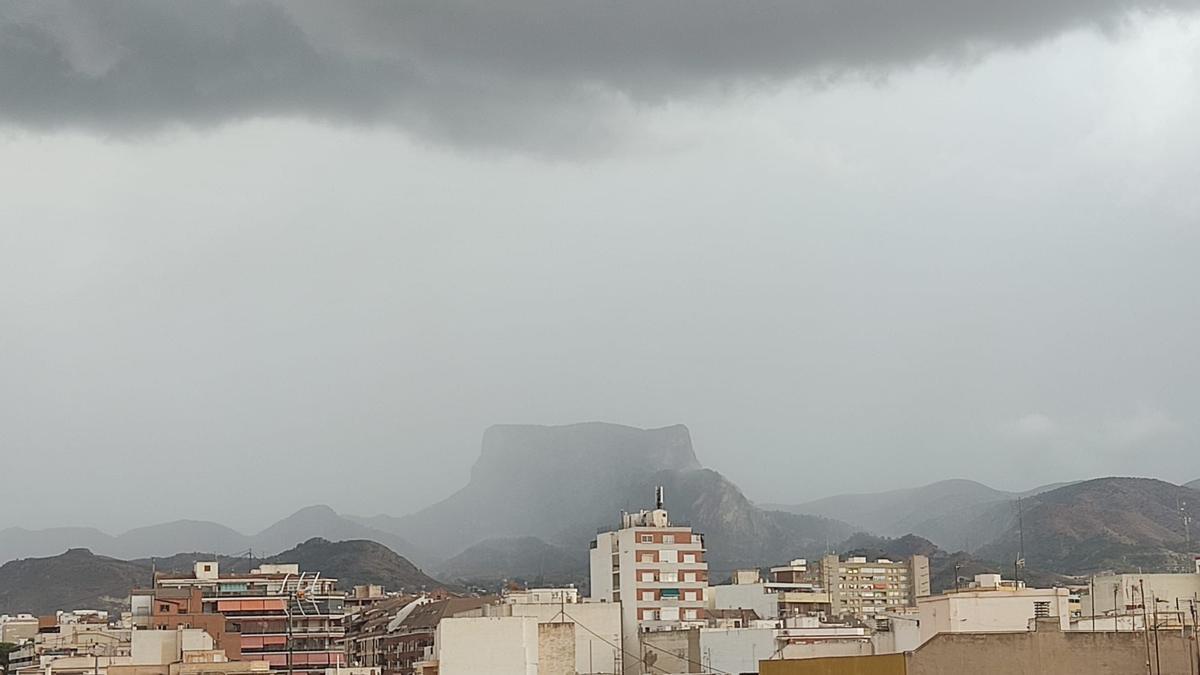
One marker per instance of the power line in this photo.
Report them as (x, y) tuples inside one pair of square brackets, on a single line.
[(637, 657)]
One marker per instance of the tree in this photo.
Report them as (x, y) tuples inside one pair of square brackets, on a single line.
[(6, 648)]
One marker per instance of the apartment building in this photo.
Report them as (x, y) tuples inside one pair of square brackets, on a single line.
[(396, 636), (72, 642), (656, 570), (788, 593), (863, 588), (276, 613)]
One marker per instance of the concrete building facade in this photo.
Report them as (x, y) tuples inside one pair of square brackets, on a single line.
[(992, 605), (656, 570), (862, 588)]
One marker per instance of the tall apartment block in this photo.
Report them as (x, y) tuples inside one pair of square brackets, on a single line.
[(275, 613), (863, 588), (656, 570)]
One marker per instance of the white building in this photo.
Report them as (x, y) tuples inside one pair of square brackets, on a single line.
[(655, 570), (1124, 596), (992, 605)]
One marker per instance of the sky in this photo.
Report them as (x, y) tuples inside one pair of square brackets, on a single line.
[(852, 245)]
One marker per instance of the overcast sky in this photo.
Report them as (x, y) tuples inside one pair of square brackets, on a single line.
[(853, 245)]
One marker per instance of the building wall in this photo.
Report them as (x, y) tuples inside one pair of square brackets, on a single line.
[(556, 649), (745, 596), (669, 651), (1128, 587), (494, 645), (891, 664), (595, 648), (735, 650), (1047, 651), (1004, 610)]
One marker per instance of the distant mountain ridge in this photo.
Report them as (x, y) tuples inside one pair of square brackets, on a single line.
[(955, 514), (1194, 485), (81, 579), (167, 539)]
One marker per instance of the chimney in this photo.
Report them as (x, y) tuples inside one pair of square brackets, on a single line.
[(659, 494)]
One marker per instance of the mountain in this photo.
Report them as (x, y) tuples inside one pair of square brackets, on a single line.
[(561, 484), (737, 533), (526, 559), (323, 522), (181, 535), (955, 514), (17, 542), (73, 580), (545, 482), (167, 539), (1194, 485), (358, 562), (1120, 524)]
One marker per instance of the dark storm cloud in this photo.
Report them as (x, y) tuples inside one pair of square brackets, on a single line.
[(524, 73)]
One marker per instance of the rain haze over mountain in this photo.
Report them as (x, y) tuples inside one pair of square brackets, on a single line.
[(253, 245)]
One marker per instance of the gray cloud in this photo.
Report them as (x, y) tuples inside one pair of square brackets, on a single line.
[(534, 75)]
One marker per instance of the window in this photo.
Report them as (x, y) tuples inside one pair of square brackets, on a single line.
[(689, 557), (1041, 608), (691, 595), (689, 577), (668, 539), (648, 576), (647, 557), (648, 596), (690, 614), (668, 555), (647, 538), (669, 577)]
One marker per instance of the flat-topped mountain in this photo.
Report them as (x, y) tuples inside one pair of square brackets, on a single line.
[(546, 482)]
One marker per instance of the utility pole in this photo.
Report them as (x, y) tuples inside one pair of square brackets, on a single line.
[(1145, 623), (1157, 656), (1187, 521)]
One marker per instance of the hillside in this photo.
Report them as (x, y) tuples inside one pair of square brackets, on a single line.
[(358, 562), (560, 484), (73, 580), (1194, 485), (524, 559), (1107, 523)]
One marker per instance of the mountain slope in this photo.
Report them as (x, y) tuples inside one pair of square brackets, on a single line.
[(955, 514), (560, 484), (325, 523), (358, 562), (527, 559), (545, 481), (1106, 523), (1194, 485), (73, 580)]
